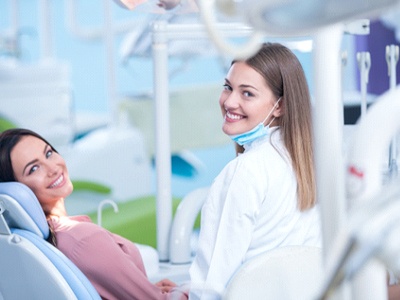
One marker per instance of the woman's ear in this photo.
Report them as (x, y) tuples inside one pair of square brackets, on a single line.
[(278, 109)]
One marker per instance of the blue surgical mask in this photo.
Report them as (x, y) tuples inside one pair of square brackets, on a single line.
[(259, 131)]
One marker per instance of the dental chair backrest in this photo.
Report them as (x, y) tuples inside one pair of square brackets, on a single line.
[(30, 267)]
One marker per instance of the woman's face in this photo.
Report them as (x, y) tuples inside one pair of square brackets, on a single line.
[(40, 168), (246, 100)]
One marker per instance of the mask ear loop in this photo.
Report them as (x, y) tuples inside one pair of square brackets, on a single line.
[(272, 110), (271, 122)]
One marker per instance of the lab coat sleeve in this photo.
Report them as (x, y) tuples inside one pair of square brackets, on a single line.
[(228, 220)]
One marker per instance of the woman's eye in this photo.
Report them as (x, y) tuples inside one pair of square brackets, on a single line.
[(49, 153), (33, 169), (227, 87), (247, 94)]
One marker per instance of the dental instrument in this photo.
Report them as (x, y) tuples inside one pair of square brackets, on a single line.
[(392, 57), (364, 65)]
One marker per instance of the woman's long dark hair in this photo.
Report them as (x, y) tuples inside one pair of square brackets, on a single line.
[(8, 139)]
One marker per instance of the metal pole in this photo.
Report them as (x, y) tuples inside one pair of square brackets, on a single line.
[(109, 45), (162, 137), (45, 29), (328, 131)]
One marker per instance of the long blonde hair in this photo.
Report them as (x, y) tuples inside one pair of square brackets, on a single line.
[(285, 76)]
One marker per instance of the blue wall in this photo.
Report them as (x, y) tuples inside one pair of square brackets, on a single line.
[(87, 58)]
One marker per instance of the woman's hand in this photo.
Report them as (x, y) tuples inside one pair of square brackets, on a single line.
[(166, 285)]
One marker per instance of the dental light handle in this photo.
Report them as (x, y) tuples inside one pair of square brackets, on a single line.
[(238, 52), (392, 57), (364, 64)]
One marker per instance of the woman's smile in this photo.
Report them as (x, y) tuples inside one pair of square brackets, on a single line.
[(58, 183), (232, 117)]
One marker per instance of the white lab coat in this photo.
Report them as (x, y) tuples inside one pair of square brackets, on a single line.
[(251, 208)]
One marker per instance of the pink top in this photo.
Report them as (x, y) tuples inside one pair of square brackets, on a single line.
[(112, 263)]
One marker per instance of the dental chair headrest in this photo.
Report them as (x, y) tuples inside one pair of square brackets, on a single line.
[(22, 209)]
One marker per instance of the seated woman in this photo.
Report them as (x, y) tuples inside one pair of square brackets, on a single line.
[(112, 263)]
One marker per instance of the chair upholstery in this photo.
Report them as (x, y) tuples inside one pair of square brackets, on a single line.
[(30, 267), (285, 273)]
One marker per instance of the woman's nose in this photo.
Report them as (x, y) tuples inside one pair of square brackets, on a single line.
[(231, 101), (51, 169)]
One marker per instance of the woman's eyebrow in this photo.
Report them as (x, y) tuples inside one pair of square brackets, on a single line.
[(28, 164), (242, 85), (33, 161), (247, 86)]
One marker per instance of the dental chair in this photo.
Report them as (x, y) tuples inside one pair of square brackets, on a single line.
[(290, 273), (30, 267)]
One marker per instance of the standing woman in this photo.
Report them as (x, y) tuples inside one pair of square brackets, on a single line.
[(112, 263), (265, 198)]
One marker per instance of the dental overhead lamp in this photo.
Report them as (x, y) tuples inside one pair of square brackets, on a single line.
[(286, 18), (303, 16)]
